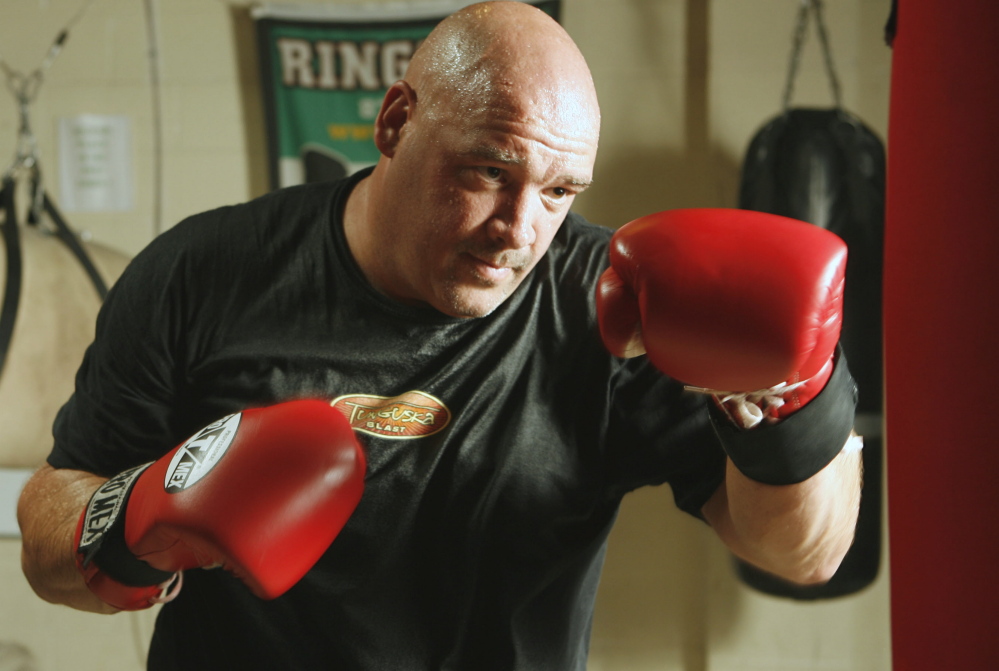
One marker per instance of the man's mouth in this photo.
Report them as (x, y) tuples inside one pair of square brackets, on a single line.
[(492, 270)]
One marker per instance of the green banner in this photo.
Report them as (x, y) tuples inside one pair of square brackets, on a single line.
[(325, 70)]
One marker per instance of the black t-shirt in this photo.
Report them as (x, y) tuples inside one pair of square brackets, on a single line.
[(498, 448)]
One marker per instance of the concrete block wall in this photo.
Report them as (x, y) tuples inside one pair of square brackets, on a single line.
[(683, 83)]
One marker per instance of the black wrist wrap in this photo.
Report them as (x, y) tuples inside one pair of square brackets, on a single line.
[(800, 445), (103, 539)]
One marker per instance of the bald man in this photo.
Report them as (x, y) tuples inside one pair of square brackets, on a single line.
[(443, 300)]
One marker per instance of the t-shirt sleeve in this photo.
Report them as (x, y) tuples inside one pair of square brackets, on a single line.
[(654, 432), (659, 434), (122, 410)]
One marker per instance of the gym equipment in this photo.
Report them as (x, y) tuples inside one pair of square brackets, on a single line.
[(941, 327), (25, 89)]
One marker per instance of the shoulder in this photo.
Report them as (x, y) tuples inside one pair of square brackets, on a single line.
[(576, 228), (243, 233), (273, 215), (564, 281), (211, 255), (579, 249)]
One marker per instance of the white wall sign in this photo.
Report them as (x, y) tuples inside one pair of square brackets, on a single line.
[(11, 483), (95, 163)]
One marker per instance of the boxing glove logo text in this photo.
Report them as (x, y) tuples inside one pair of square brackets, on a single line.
[(195, 458), (104, 507), (414, 414)]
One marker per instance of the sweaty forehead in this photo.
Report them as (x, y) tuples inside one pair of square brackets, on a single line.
[(516, 109)]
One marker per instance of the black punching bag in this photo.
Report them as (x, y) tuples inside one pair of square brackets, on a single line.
[(826, 167)]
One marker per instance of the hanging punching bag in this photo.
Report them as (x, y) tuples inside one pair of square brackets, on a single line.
[(941, 332), (826, 167), (53, 284)]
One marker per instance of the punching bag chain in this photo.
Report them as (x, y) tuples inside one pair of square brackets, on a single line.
[(25, 89), (806, 8)]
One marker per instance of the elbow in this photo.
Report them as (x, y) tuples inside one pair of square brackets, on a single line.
[(37, 573), (803, 575), (819, 575), (819, 567), (61, 588), (806, 563), (32, 575), (48, 511)]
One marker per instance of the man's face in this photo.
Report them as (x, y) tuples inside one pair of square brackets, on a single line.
[(480, 194)]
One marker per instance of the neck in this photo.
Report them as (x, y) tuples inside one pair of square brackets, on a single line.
[(355, 213), (359, 228)]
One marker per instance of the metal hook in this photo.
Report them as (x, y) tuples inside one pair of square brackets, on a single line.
[(25, 90)]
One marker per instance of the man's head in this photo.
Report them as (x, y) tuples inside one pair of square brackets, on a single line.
[(484, 145)]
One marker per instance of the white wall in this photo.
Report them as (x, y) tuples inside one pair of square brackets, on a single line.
[(683, 83)]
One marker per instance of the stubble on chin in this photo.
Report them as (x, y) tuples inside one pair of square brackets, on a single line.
[(468, 298), (463, 293), (467, 302)]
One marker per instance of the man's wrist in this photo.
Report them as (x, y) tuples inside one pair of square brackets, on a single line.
[(100, 536)]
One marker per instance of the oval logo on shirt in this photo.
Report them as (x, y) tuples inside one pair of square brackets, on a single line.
[(414, 414)]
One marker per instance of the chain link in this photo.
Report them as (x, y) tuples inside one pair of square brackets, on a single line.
[(806, 8), (25, 89)]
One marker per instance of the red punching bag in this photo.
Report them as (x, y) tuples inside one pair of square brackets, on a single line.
[(941, 328)]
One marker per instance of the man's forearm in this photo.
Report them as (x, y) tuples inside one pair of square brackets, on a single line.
[(48, 512), (799, 532)]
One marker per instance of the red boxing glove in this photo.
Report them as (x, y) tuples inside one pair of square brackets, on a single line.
[(261, 493), (734, 302)]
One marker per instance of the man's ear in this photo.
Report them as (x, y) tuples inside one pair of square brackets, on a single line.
[(397, 109)]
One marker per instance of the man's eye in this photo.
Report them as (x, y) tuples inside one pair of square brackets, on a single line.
[(559, 193), (492, 172)]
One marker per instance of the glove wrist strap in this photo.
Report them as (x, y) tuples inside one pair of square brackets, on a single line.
[(801, 444), (101, 536)]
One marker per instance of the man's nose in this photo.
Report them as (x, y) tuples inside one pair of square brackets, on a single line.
[(513, 223)]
